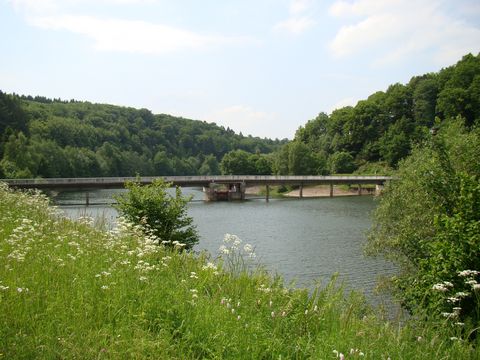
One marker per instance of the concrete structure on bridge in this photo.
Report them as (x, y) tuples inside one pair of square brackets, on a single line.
[(216, 188)]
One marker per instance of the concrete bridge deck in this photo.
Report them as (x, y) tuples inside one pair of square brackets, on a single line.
[(204, 181)]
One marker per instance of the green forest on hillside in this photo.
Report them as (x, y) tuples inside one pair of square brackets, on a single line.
[(40, 137), (378, 132), (54, 138)]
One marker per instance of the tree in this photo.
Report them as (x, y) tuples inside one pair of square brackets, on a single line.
[(165, 215), (428, 221), (301, 160), (209, 166), (237, 162), (341, 163)]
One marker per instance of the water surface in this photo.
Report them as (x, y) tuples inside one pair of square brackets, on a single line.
[(304, 240)]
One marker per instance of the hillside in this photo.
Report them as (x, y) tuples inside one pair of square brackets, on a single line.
[(383, 128), (41, 137)]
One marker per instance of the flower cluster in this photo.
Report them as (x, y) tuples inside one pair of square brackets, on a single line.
[(455, 294)]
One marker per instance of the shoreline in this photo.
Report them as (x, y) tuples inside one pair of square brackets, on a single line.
[(317, 191)]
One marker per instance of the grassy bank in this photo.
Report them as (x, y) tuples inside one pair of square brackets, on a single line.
[(68, 290)]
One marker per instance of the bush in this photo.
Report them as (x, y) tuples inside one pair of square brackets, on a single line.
[(428, 222), (163, 214)]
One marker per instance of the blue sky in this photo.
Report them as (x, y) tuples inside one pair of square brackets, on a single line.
[(261, 67)]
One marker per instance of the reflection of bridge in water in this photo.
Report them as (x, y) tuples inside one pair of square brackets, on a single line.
[(224, 187)]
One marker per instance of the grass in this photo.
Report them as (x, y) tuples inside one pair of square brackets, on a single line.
[(71, 291)]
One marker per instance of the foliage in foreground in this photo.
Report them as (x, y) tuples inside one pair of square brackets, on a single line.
[(68, 290), (164, 215), (428, 222)]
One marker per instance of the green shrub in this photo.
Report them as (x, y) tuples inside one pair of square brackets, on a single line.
[(164, 215), (428, 222)]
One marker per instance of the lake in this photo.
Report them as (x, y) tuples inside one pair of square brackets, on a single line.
[(304, 240)]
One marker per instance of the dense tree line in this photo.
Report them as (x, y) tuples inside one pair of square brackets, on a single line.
[(41, 137), (382, 129), (428, 223)]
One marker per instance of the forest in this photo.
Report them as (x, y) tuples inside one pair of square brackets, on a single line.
[(41, 137), (373, 136)]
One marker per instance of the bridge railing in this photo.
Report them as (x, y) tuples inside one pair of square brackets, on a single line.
[(197, 180)]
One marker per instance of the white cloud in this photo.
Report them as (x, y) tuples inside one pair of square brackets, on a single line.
[(295, 25), (111, 34), (299, 6), (298, 22), (130, 36), (400, 29)]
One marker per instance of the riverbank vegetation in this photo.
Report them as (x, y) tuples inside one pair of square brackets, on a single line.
[(68, 290), (428, 222)]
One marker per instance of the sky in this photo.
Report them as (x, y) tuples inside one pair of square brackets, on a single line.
[(260, 67)]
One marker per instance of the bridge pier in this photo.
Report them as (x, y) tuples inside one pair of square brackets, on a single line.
[(359, 189), (301, 191), (378, 189), (225, 192), (331, 190), (267, 193)]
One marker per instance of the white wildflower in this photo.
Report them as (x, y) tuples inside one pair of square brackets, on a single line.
[(224, 250), (248, 248), (209, 266), (439, 287), (466, 273)]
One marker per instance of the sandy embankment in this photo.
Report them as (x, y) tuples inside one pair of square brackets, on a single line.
[(311, 191)]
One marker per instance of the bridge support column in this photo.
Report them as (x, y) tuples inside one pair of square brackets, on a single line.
[(359, 189), (267, 193), (378, 189), (301, 191), (331, 190)]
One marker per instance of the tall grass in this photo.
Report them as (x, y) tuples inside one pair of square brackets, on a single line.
[(69, 290)]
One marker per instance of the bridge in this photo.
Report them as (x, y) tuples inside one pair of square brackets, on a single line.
[(221, 187)]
